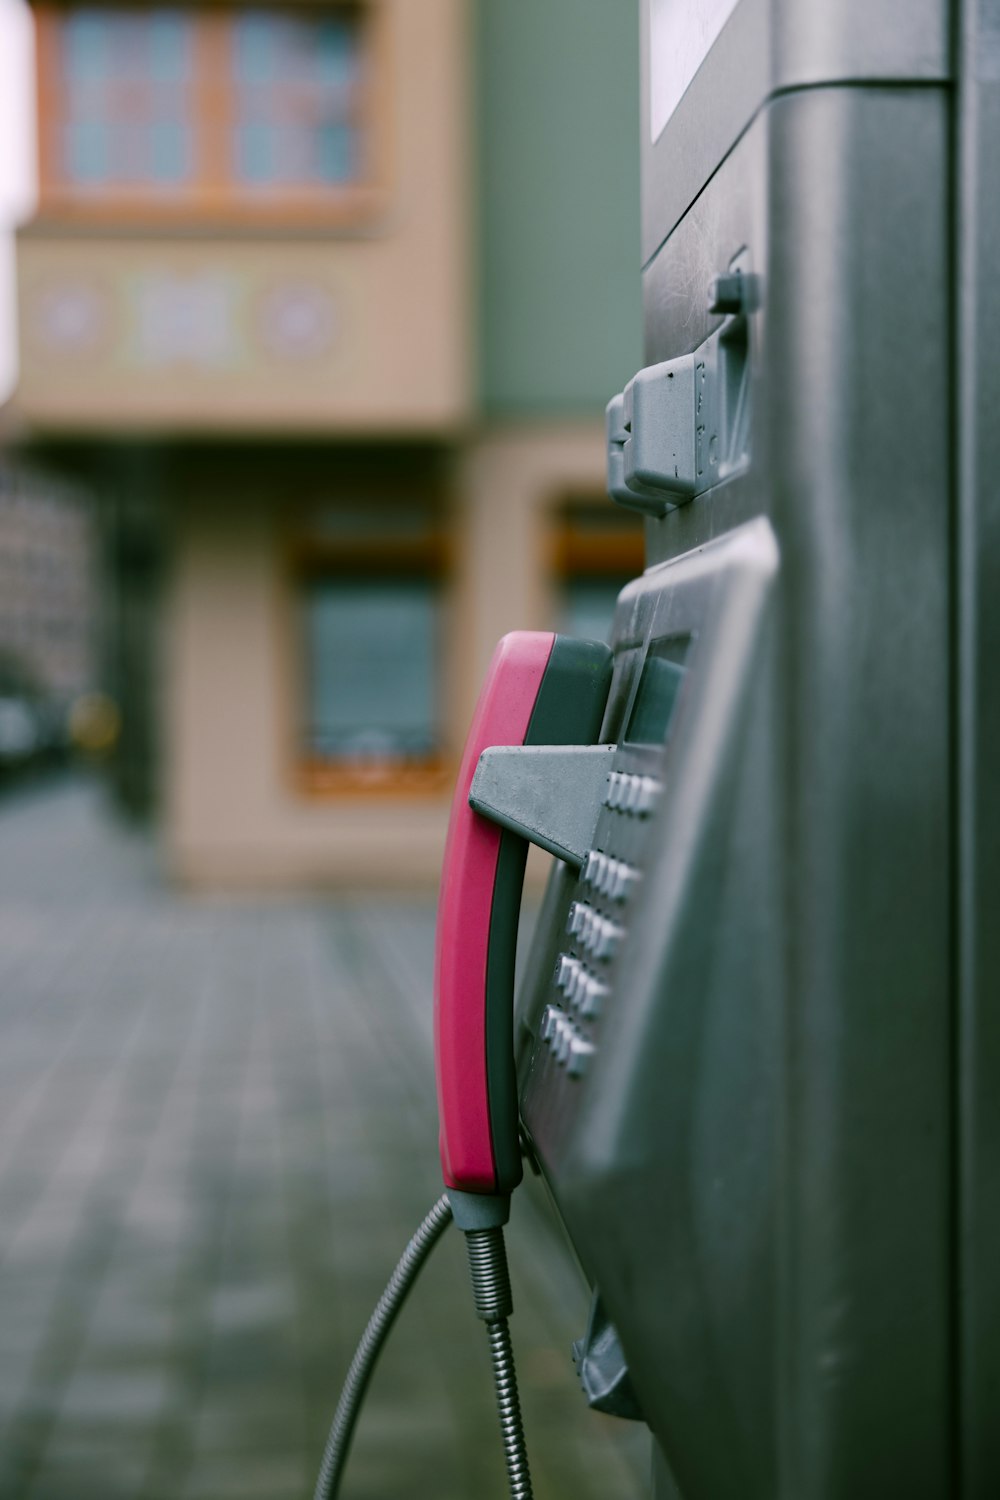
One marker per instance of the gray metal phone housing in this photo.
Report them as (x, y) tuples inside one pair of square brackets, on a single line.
[(777, 1161)]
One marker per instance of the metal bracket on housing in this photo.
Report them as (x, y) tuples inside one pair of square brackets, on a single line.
[(550, 795), (651, 438), (682, 426)]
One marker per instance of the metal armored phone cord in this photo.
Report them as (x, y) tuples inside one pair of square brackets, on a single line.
[(491, 1290)]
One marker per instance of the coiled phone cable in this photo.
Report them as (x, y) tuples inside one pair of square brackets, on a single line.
[(491, 1291)]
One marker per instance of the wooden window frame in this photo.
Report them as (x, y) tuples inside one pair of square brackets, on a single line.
[(430, 557), (599, 552), (214, 198)]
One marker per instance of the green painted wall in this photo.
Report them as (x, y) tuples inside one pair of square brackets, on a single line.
[(558, 119)]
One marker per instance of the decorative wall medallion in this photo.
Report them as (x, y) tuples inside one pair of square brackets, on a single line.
[(69, 317), (297, 320)]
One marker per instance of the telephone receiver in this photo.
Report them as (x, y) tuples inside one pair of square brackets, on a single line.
[(541, 689)]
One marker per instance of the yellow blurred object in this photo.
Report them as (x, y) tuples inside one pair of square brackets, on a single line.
[(95, 723)]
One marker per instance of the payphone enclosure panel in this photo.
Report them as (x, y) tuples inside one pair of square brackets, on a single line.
[(708, 70), (755, 1166), (676, 1018)]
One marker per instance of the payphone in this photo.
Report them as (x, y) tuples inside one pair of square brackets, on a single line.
[(776, 1166), (758, 1041)]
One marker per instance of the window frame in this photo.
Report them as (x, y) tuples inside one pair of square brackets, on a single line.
[(430, 556), (214, 198)]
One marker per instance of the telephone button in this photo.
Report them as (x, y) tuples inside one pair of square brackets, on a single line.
[(562, 1040), (611, 877), (565, 1041), (592, 998), (604, 874), (630, 794), (584, 923), (580, 1053), (565, 968), (550, 1021), (616, 789), (622, 881), (605, 938), (647, 796), (598, 936)]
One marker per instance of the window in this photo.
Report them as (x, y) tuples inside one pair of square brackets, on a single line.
[(126, 81), (370, 625), (297, 80), (597, 550), (216, 111), (372, 659)]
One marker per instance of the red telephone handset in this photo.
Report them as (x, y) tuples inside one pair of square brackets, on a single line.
[(541, 689)]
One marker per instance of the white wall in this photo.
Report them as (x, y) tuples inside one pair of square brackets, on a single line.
[(18, 185)]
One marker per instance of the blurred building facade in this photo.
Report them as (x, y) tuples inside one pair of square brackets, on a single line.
[(48, 584), (49, 618), (323, 302)]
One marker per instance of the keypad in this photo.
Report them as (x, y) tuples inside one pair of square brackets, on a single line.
[(582, 998)]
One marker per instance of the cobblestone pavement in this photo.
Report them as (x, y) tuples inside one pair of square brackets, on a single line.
[(217, 1131)]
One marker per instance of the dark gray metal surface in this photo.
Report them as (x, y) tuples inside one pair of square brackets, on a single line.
[(769, 47), (978, 576), (758, 1168)]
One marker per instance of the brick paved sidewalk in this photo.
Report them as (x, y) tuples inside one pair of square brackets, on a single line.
[(217, 1131)]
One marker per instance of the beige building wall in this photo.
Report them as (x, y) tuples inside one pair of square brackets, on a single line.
[(235, 812), (360, 327)]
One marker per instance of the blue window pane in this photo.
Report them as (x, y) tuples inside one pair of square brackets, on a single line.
[(256, 157), (169, 152), (336, 153), (169, 47), (255, 49), (336, 53), (293, 76), (88, 44), (88, 152)]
